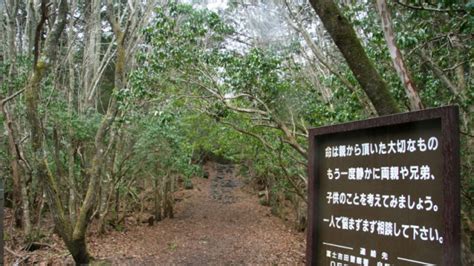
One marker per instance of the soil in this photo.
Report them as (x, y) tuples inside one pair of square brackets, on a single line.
[(216, 223)]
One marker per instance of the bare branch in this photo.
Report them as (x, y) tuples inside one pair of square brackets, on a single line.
[(425, 8), (440, 74), (260, 138), (9, 98)]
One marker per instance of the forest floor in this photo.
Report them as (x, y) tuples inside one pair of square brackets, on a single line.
[(216, 223)]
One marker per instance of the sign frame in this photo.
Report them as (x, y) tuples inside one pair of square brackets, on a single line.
[(449, 116)]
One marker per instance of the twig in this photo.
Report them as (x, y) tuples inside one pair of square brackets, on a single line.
[(46, 245), (423, 8), (12, 96), (13, 252), (466, 134), (20, 258), (422, 45), (455, 66)]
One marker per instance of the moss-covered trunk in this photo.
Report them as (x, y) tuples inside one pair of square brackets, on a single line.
[(78, 249), (75, 242), (40, 163)]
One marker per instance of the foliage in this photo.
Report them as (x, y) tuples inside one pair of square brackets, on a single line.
[(193, 90)]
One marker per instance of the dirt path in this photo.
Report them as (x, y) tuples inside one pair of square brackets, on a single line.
[(216, 223)]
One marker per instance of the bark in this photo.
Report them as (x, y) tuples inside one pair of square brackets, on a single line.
[(168, 196), (20, 200), (15, 167), (72, 202), (103, 203), (57, 154), (94, 173), (78, 249), (107, 184), (26, 207), (348, 43), (157, 195), (100, 137), (42, 65), (116, 205), (397, 58), (30, 25), (42, 172), (291, 139), (11, 8), (91, 55)]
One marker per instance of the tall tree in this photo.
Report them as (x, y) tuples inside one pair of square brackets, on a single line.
[(397, 58), (346, 40), (11, 8)]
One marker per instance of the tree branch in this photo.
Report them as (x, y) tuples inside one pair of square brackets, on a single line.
[(440, 74), (423, 8), (9, 98)]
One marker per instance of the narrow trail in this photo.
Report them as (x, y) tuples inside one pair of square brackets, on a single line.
[(216, 223)]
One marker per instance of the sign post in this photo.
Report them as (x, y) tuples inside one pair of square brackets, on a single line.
[(386, 191)]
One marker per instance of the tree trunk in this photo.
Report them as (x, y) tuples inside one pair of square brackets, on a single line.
[(72, 203), (78, 250), (346, 40), (11, 7), (12, 10), (91, 56), (116, 205), (168, 196), (100, 137), (41, 67), (103, 204), (49, 182), (20, 193), (30, 25), (397, 58), (107, 184), (15, 166), (26, 207), (157, 198)]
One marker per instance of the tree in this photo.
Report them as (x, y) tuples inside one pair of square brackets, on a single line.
[(72, 225), (397, 58), (346, 40)]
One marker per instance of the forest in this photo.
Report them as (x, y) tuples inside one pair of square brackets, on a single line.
[(112, 108)]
